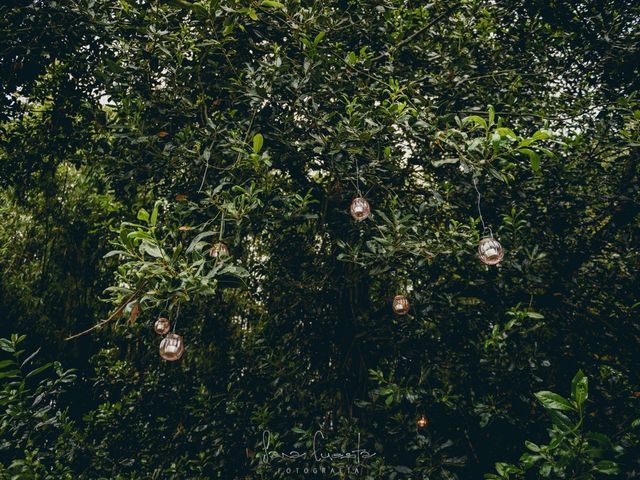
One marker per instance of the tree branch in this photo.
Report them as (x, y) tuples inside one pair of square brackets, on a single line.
[(113, 315), (415, 34)]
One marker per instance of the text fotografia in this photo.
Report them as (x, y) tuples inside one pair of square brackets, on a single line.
[(350, 470), (324, 460)]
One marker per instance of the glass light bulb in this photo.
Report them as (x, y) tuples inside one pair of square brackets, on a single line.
[(219, 249), (400, 305), (422, 422), (162, 325), (360, 208), (490, 251), (172, 347)]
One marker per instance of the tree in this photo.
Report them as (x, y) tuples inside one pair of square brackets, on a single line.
[(256, 124)]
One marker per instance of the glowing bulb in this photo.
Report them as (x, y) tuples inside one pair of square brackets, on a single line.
[(422, 422), (400, 305)]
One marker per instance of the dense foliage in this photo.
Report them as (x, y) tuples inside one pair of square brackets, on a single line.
[(134, 135)]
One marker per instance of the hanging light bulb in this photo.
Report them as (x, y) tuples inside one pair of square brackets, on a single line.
[(400, 305), (360, 208), (162, 325), (219, 249), (327, 424), (490, 251), (422, 421), (172, 347)]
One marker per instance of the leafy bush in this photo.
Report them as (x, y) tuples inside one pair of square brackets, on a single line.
[(573, 452), (153, 129), (36, 435)]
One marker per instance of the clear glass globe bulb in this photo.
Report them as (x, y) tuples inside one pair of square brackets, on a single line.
[(400, 305), (172, 347), (490, 251), (162, 325), (360, 209), (422, 422), (219, 249)]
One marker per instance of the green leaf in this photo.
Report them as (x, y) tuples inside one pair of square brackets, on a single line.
[(553, 401), (506, 132), (532, 446), (437, 163), (600, 441), (253, 15), (154, 214), (143, 215), (318, 38), (38, 370), (30, 357), (475, 119), (580, 388), (199, 9), (6, 363), (229, 281), (113, 253), (528, 460), (6, 345), (534, 158), (402, 469), (546, 151), (272, 4), (541, 135), (607, 467), (258, 141), (198, 238), (560, 420), (152, 249)]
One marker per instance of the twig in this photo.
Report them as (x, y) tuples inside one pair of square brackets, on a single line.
[(113, 315), (402, 43)]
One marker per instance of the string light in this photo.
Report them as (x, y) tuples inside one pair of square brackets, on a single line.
[(400, 305), (172, 347), (360, 208), (219, 250), (422, 421), (490, 250), (162, 326)]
